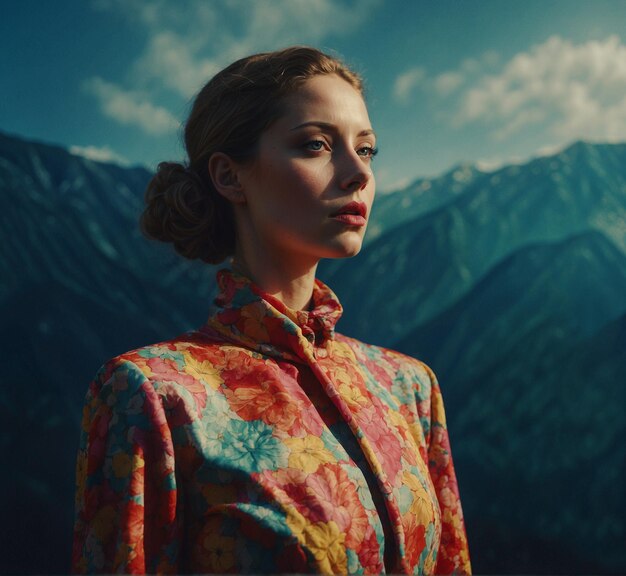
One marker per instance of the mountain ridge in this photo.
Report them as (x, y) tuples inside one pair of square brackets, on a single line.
[(429, 262), (506, 286), (551, 374), (78, 285)]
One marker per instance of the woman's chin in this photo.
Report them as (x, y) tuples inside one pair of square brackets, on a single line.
[(345, 249)]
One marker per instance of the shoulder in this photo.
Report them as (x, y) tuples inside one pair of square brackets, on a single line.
[(410, 380), (166, 361), (166, 381), (402, 363)]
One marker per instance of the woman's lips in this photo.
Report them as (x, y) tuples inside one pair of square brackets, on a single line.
[(350, 219), (353, 214)]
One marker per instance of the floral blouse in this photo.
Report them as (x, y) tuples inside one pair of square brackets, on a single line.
[(265, 442)]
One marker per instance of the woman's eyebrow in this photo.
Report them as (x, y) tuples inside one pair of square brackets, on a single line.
[(330, 127)]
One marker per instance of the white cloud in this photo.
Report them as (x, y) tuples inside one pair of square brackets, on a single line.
[(406, 82), (173, 64), (188, 42), (487, 60), (99, 154), (549, 150), (572, 90), (448, 82), (131, 108), (445, 83)]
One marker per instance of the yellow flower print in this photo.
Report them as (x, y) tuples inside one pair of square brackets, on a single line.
[(412, 482), (341, 376), (399, 421), (295, 521), (123, 464), (254, 327), (353, 396), (418, 434), (307, 453), (202, 370), (421, 507), (340, 350), (326, 542)]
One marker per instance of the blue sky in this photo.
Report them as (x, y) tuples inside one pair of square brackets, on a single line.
[(485, 82)]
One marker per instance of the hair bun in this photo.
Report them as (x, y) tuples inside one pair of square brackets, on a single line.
[(182, 209), (228, 115)]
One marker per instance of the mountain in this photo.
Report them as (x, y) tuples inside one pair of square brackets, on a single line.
[(419, 268), (578, 283), (532, 360), (542, 462), (511, 284), (78, 285), (420, 197), (72, 222)]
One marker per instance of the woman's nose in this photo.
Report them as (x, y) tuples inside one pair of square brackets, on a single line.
[(356, 172)]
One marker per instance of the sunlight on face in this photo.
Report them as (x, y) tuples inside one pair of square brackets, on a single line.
[(310, 190)]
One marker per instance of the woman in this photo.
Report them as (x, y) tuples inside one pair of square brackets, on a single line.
[(265, 441)]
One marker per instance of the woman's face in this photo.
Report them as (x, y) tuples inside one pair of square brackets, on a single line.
[(309, 191)]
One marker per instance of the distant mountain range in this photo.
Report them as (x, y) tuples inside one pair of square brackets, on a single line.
[(510, 284), (421, 266), (533, 360), (78, 285)]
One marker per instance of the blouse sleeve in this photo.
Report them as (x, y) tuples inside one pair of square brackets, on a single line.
[(127, 518), (453, 556)]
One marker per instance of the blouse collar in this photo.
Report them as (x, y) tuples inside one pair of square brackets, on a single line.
[(248, 316)]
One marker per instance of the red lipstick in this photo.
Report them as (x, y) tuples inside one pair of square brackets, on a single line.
[(353, 214)]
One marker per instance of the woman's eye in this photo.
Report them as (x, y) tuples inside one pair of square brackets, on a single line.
[(315, 145), (367, 151)]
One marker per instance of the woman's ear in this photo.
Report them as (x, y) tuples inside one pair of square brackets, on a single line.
[(224, 173)]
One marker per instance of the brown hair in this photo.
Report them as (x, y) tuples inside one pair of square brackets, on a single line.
[(228, 115)]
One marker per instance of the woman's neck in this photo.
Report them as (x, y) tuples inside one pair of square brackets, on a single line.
[(290, 281)]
